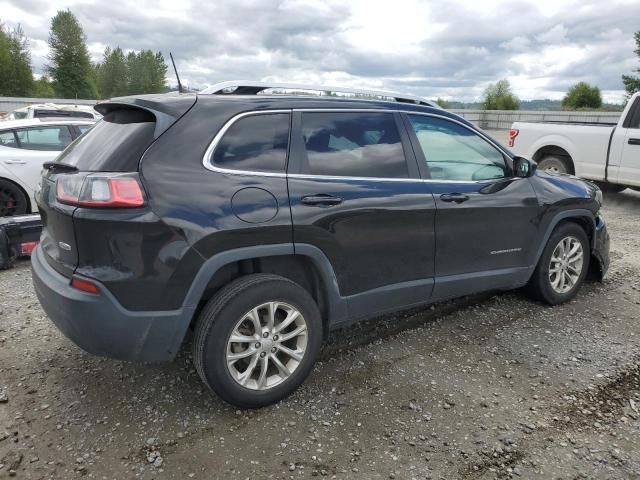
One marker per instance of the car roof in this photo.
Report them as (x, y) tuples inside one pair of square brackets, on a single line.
[(277, 101), (31, 122)]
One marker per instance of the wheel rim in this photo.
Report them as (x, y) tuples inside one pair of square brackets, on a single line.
[(8, 202), (266, 345), (565, 265), (553, 169)]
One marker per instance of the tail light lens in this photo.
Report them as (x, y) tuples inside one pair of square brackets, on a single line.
[(513, 133), (100, 190)]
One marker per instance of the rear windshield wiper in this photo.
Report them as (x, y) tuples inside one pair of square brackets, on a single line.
[(65, 167)]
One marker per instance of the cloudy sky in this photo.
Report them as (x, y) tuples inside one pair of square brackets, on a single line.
[(434, 48)]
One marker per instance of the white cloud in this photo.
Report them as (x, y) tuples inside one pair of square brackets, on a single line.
[(448, 48)]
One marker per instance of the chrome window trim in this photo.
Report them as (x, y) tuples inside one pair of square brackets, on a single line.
[(207, 160)]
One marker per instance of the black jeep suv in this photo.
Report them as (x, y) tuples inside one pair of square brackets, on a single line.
[(262, 221)]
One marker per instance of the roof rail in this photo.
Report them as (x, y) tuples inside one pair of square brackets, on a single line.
[(249, 87)]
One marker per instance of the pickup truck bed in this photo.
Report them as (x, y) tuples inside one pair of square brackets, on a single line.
[(605, 153)]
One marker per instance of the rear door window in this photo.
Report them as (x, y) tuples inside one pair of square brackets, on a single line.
[(256, 143), (44, 138), (357, 144)]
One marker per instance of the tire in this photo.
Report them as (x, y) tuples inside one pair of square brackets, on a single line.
[(541, 286), (13, 201), (229, 311), (611, 187), (554, 165)]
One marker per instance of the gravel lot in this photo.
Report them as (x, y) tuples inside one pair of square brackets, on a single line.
[(493, 386)]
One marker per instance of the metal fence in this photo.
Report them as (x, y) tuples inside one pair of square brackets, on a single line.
[(502, 119), (485, 119)]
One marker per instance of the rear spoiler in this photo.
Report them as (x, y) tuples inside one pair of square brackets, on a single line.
[(166, 108)]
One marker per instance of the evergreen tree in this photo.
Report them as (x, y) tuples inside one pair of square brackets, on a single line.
[(16, 77), (631, 83), (146, 72), (70, 68), (112, 74)]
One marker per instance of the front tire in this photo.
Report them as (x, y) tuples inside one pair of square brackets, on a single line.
[(257, 340), (562, 267)]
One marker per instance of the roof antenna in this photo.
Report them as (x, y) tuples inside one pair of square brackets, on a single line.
[(180, 89)]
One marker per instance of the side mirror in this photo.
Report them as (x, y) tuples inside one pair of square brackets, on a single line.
[(524, 167)]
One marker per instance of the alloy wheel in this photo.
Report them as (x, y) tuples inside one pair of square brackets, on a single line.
[(266, 345), (566, 264)]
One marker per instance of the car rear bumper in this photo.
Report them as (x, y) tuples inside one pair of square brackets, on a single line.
[(600, 248), (98, 324)]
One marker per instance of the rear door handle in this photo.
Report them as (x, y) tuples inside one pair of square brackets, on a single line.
[(321, 200), (634, 141), (15, 162), (454, 197)]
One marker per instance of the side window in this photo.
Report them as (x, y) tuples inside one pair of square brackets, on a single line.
[(44, 138), (84, 128), (8, 139), (454, 152), (255, 143), (634, 115), (353, 145)]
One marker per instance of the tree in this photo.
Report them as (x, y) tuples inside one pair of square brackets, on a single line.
[(631, 83), (43, 88), (444, 103), (498, 96), (70, 68), (582, 95), (16, 77), (112, 74), (146, 72)]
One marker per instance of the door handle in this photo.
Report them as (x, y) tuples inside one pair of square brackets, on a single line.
[(454, 197), (634, 141), (321, 200), (15, 162)]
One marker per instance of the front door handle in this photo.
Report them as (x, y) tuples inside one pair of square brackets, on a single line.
[(454, 197), (634, 141), (321, 200), (15, 162)]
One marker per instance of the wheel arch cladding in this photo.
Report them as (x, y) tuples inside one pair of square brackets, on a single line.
[(235, 263)]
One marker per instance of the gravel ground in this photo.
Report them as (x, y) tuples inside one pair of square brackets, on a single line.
[(492, 386)]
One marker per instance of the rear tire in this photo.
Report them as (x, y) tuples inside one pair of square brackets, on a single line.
[(557, 278), (13, 201), (553, 164), (260, 367)]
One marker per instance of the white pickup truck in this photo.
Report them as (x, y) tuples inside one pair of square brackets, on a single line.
[(607, 154)]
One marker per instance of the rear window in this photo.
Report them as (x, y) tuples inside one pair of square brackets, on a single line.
[(256, 143), (114, 144)]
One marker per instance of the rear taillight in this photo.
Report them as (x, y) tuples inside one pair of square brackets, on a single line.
[(100, 190), (513, 133)]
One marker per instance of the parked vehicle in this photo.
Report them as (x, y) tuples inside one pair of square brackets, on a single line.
[(54, 111), (24, 146), (607, 154), (263, 221)]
